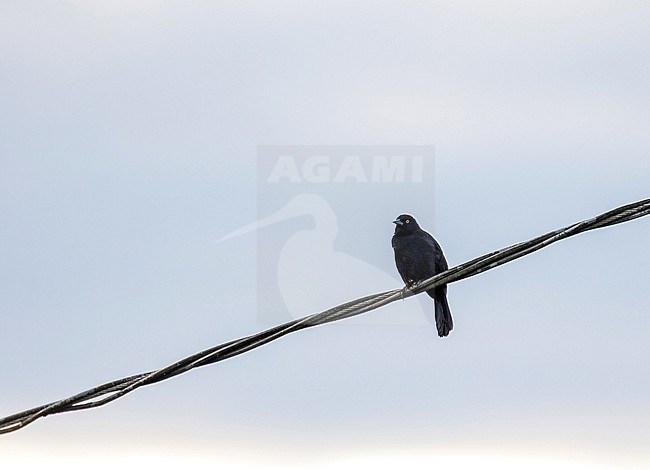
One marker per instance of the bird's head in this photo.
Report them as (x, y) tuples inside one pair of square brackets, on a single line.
[(405, 224)]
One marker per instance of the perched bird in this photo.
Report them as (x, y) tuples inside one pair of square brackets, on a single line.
[(418, 257)]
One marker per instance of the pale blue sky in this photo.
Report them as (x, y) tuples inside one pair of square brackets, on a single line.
[(128, 146)]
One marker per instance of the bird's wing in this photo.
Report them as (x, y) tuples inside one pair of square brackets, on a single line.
[(441, 262), (438, 257)]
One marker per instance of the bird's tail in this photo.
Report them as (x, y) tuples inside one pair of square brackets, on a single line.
[(444, 323)]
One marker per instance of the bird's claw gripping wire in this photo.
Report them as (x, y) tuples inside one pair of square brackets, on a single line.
[(409, 288), (404, 292)]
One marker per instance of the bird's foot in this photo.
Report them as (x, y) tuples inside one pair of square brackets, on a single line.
[(406, 292), (406, 287)]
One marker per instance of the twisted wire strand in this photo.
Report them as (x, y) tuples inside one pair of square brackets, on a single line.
[(111, 391)]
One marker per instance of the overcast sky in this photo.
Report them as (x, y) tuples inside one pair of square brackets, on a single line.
[(129, 145)]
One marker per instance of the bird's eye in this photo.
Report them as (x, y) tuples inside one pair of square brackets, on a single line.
[(407, 221)]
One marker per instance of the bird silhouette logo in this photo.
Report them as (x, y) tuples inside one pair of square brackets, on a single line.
[(313, 276)]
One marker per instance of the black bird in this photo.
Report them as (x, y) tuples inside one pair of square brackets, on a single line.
[(418, 257)]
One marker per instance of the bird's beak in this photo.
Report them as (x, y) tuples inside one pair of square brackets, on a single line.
[(398, 222)]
